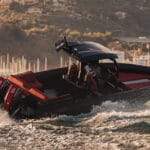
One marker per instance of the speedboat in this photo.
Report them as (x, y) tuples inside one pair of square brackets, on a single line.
[(65, 90)]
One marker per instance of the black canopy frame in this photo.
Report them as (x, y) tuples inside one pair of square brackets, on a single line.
[(85, 51)]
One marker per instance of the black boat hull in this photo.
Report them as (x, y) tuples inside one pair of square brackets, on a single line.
[(78, 101)]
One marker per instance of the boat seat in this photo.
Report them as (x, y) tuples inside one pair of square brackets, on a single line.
[(25, 80), (28, 82), (39, 94)]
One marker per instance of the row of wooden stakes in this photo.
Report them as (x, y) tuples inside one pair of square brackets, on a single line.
[(12, 65)]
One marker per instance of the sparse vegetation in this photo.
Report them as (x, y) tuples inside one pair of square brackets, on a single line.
[(35, 34), (15, 6)]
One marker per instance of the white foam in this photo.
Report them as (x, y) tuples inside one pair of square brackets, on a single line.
[(5, 119)]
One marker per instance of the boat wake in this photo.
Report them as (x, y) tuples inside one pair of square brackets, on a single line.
[(5, 119), (113, 125)]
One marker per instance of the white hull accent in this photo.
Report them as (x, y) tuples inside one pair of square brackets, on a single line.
[(136, 81)]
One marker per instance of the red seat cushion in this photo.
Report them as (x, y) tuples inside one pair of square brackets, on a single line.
[(27, 80)]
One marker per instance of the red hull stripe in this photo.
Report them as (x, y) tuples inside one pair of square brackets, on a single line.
[(134, 80), (124, 76), (138, 85)]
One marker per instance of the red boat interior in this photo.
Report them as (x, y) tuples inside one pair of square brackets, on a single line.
[(134, 80)]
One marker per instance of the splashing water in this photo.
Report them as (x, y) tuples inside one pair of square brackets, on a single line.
[(112, 126), (5, 119)]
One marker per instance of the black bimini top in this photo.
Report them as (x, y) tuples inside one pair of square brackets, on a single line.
[(87, 51)]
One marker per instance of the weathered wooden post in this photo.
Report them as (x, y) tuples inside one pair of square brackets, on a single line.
[(45, 64), (37, 65)]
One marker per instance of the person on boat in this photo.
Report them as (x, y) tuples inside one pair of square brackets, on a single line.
[(99, 76), (105, 75), (73, 72), (90, 78)]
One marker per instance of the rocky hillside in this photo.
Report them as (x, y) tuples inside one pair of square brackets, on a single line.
[(34, 34), (121, 17)]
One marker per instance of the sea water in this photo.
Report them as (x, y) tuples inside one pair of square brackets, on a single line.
[(122, 125)]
